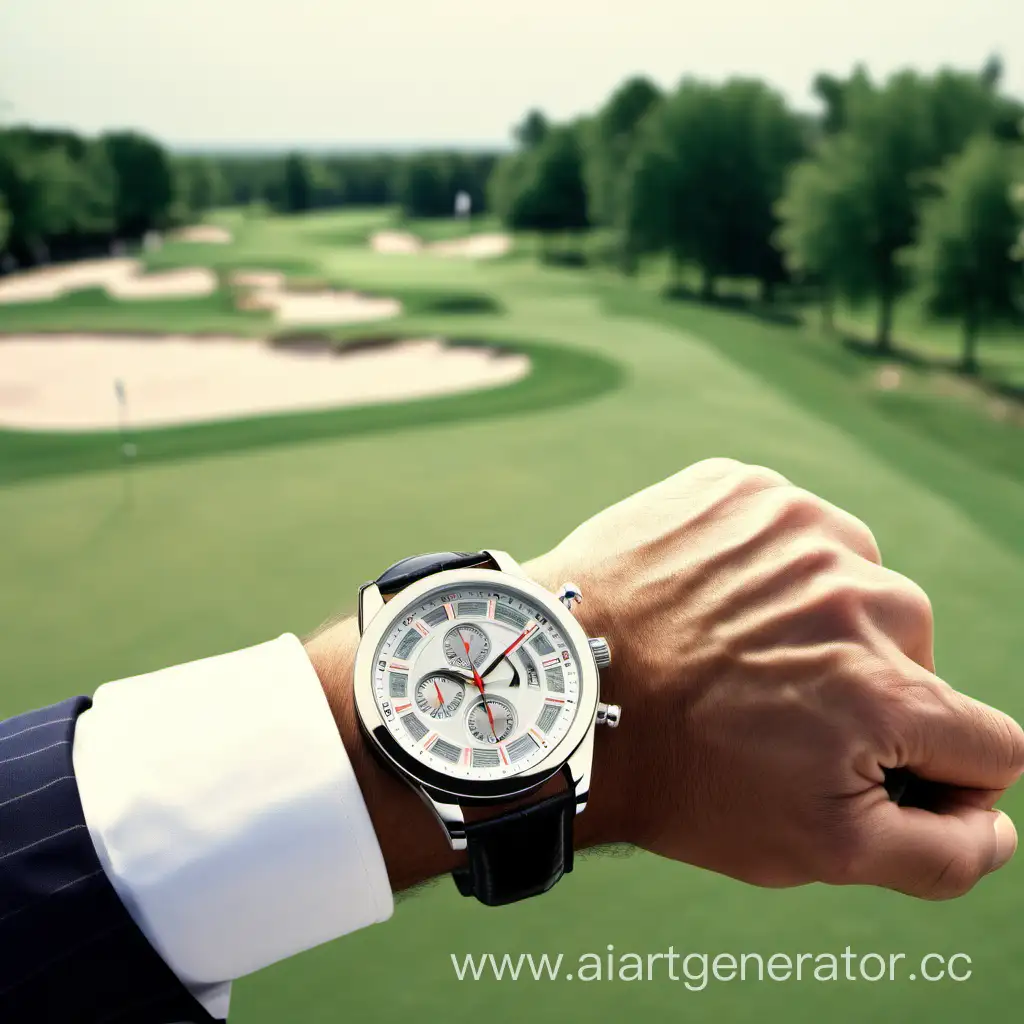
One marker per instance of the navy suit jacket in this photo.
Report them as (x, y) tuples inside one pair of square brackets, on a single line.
[(70, 953)]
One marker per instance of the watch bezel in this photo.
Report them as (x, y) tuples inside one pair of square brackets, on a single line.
[(372, 721)]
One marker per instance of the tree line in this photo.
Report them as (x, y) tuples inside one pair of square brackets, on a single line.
[(422, 184), (910, 182), (64, 196)]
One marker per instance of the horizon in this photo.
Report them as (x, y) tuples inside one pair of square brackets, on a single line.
[(268, 75)]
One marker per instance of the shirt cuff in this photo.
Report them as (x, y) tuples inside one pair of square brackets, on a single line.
[(226, 814)]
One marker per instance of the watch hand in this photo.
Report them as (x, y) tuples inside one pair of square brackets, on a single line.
[(440, 696), (480, 685), (512, 647)]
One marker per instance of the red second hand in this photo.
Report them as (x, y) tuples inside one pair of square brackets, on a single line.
[(480, 686)]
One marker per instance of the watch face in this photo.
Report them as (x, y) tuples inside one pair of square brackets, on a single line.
[(475, 681)]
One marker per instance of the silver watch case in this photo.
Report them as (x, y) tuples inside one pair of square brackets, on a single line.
[(573, 754)]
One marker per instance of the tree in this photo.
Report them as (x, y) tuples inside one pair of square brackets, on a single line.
[(992, 72), (609, 146), (59, 190), (35, 185), (5, 222), (143, 183), (764, 141), (709, 168), (298, 184), (874, 175), (650, 215), (199, 184), (506, 185), (549, 195), (966, 252), (823, 222), (830, 90), (532, 131), (423, 186)]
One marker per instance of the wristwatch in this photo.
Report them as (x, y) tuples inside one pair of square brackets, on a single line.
[(476, 685)]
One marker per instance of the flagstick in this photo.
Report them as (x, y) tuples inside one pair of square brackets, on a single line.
[(128, 448)]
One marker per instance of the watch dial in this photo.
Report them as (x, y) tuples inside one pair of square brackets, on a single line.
[(476, 682)]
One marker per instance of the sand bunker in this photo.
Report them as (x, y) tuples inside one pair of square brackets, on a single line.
[(328, 307), (121, 278), (395, 242), (475, 247), (267, 290), (169, 284), (206, 233), (66, 382), (472, 247)]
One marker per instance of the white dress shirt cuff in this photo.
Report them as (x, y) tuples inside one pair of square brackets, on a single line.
[(226, 814)]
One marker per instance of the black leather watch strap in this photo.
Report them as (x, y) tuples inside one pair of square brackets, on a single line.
[(519, 854), (525, 851), (409, 570)]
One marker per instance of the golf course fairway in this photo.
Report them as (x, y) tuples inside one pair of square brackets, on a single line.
[(220, 537)]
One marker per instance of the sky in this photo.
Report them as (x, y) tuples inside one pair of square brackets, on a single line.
[(379, 73)]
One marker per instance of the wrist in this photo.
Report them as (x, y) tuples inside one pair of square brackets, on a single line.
[(412, 843), (612, 808)]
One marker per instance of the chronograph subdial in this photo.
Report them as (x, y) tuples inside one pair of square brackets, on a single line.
[(440, 695), (503, 715), (455, 641)]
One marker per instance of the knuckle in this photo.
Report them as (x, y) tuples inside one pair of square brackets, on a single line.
[(864, 540), (760, 478), (844, 527), (912, 598), (797, 507), (818, 557), (714, 468), (842, 599)]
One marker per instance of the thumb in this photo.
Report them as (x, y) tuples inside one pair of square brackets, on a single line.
[(934, 856)]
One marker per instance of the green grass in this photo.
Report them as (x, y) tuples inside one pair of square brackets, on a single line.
[(105, 574), (92, 309), (1000, 350), (431, 230), (978, 463)]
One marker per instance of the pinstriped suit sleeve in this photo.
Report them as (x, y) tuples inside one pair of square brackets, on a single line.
[(69, 950)]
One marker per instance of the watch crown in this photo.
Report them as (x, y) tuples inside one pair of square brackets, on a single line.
[(601, 651), (569, 594), (609, 714)]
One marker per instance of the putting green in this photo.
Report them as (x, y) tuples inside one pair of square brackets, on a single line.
[(108, 573)]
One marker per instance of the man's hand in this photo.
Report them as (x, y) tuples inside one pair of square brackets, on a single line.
[(769, 669)]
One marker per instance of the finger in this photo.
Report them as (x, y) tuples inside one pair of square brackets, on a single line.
[(952, 738), (951, 798), (933, 856)]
